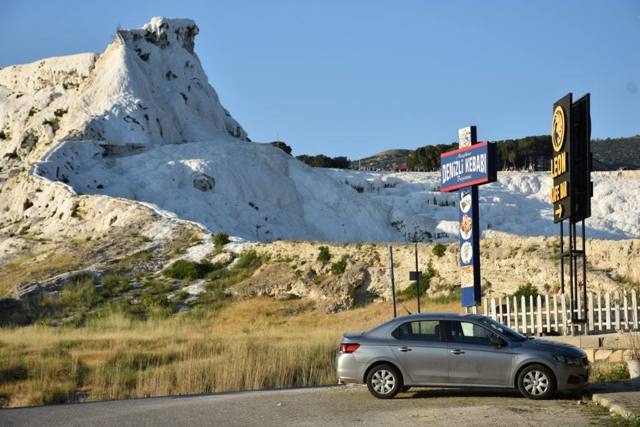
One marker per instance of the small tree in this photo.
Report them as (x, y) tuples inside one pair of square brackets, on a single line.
[(220, 239), (323, 254), (439, 250), (283, 146), (337, 268), (526, 291)]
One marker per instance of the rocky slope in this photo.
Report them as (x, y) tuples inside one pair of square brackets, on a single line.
[(507, 263)]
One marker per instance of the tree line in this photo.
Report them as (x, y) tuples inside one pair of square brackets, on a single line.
[(317, 161), (531, 152)]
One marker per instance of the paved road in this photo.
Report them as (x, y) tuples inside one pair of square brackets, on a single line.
[(319, 406)]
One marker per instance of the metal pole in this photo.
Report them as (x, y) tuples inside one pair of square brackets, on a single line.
[(393, 284), (584, 280), (561, 257), (417, 281), (575, 270), (571, 297)]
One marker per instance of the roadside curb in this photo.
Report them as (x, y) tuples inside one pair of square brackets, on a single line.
[(621, 398), (614, 408)]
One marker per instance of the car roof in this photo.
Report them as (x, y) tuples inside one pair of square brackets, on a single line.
[(437, 316)]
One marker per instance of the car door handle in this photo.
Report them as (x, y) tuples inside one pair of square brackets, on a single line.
[(457, 351), (404, 349)]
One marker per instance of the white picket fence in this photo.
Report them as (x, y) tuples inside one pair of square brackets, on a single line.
[(551, 314)]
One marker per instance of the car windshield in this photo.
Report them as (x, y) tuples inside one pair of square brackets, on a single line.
[(504, 330)]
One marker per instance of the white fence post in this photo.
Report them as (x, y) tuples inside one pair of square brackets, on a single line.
[(539, 320), (616, 301), (563, 307), (555, 313), (607, 307), (625, 307), (599, 311), (515, 313), (634, 306), (523, 305), (590, 311)]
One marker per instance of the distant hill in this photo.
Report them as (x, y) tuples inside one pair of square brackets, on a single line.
[(531, 152), (386, 160), (616, 153)]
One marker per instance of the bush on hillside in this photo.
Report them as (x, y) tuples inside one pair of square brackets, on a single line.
[(220, 239), (183, 269), (323, 254), (439, 250)]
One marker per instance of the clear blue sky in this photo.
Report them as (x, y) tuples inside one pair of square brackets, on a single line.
[(357, 77)]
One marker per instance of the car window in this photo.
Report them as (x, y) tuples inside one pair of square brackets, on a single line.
[(421, 330), (469, 333)]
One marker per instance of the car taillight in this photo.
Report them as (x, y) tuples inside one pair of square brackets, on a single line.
[(348, 347)]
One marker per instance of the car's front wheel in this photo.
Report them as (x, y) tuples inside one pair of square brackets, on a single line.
[(536, 382), (384, 381)]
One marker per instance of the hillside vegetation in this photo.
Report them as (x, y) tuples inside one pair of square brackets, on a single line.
[(531, 152)]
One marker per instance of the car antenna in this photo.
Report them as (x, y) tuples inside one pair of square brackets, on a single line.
[(405, 309)]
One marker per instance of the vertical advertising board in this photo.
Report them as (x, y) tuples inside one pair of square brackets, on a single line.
[(470, 291), (464, 169), (561, 159)]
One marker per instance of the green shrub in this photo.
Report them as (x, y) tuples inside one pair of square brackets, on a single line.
[(247, 260), (323, 254), (411, 291), (154, 302), (526, 291), (339, 267), (220, 239), (112, 284), (79, 296), (605, 371), (183, 269), (439, 250)]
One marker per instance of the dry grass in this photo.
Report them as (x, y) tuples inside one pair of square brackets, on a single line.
[(32, 267), (253, 344)]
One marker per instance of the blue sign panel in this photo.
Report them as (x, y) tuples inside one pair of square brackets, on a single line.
[(467, 166), (469, 247)]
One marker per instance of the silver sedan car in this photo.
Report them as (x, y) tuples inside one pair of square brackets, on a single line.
[(454, 350)]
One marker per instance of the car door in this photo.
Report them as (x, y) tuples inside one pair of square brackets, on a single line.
[(473, 360), (421, 351)]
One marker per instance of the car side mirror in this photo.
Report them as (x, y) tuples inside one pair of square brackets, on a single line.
[(498, 342)]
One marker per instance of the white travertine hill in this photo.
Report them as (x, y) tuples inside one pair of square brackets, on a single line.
[(141, 122)]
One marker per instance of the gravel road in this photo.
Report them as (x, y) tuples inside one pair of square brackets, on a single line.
[(319, 406)]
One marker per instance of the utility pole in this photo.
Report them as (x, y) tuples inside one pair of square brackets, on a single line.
[(391, 279), (418, 277)]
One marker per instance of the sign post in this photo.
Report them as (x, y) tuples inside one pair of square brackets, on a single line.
[(464, 169), (572, 190)]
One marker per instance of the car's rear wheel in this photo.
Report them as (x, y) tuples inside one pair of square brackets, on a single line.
[(384, 381), (536, 382)]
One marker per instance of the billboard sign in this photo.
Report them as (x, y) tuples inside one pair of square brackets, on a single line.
[(571, 159), (471, 165)]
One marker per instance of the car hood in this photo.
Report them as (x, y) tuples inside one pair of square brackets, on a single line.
[(554, 347)]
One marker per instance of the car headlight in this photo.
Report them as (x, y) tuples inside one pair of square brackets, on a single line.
[(567, 359)]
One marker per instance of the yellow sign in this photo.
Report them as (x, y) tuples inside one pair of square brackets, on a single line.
[(558, 129), (559, 192), (558, 211), (558, 165)]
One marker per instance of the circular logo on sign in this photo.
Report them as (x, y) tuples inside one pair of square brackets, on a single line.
[(466, 252), (558, 129), (465, 201), (466, 226)]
